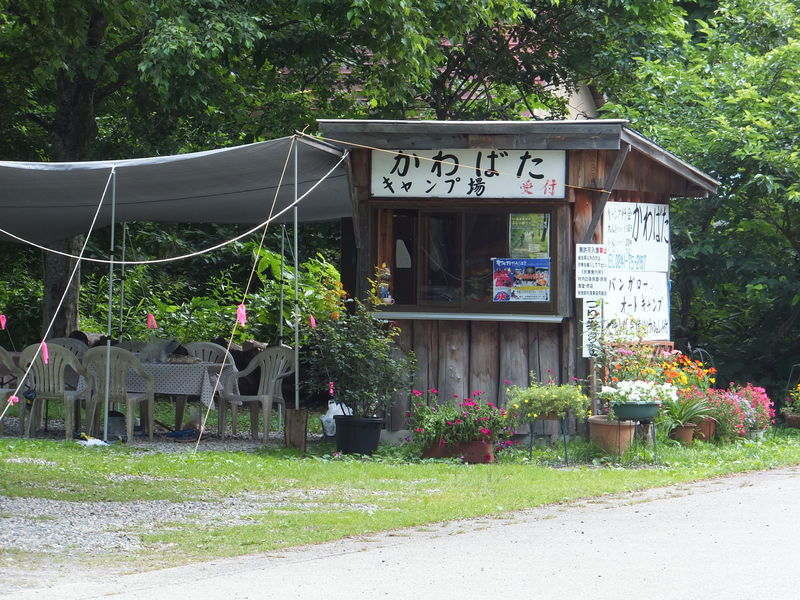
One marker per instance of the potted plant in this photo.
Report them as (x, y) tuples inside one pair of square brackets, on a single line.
[(468, 428), (706, 427), (758, 409), (637, 400), (546, 401), (355, 359), (791, 408), (681, 416)]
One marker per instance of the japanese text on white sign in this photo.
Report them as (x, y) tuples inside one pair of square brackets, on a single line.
[(469, 173), (591, 271)]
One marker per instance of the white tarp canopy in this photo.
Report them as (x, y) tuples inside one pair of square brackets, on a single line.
[(51, 201)]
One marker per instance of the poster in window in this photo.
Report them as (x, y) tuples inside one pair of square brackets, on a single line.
[(521, 279), (529, 235)]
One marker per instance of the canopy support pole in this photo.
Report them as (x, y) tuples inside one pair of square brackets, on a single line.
[(110, 310), (122, 281), (296, 294), (282, 281)]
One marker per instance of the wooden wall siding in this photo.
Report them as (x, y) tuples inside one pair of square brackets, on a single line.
[(397, 412), (484, 357), (514, 365), (460, 357), (453, 359)]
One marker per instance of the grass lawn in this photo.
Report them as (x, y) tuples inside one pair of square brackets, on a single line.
[(334, 497)]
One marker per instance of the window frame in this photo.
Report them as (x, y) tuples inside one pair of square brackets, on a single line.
[(464, 207)]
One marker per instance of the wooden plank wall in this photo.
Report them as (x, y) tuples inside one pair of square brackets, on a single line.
[(460, 357)]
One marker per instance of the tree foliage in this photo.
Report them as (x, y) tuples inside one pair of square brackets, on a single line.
[(727, 99)]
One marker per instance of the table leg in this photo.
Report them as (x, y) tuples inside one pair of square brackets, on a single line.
[(144, 416), (180, 407)]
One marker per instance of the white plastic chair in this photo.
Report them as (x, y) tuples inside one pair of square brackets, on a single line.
[(48, 382), (275, 363), (78, 347), (5, 392), (122, 361), (210, 352)]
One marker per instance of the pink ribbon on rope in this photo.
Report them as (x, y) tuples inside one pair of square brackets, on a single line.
[(241, 314), (312, 321), (12, 400), (45, 353), (3, 321), (151, 321)]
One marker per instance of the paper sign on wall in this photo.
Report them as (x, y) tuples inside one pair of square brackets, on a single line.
[(592, 327), (591, 271), (469, 173), (640, 297), (520, 279), (636, 236)]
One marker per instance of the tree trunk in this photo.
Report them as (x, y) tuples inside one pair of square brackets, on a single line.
[(57, 270), (74, 129)]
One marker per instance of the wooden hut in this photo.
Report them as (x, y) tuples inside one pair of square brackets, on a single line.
[(444, 203)]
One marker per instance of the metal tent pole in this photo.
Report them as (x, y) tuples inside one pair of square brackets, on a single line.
[(296, 294), (110, 297), (283, 279), (122, 281)]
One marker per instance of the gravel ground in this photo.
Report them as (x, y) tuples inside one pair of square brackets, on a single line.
[(239, 443), (731, 538)]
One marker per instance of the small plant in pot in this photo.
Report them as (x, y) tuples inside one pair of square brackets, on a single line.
[(546, 401), (355, 358), (791, 407), (681, 416), (468, 428), (637, 400)]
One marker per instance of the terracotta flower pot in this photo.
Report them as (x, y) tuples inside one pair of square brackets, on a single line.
[(706, 430), (478, 452), (792, 420), (614, 437), (684, 434)]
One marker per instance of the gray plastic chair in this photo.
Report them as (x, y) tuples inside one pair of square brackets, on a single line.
[(49, 383), (78, 347), (122, 361), (5, 392), (275, 363)]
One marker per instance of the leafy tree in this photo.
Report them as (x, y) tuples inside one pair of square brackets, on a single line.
[(728, 101)]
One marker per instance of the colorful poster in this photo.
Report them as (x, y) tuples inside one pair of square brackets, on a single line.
[(521, 279), (529, 235), (469, 173)]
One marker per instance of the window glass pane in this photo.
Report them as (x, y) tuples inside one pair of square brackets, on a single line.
[(404, 264), (441, 258), (485, 239)]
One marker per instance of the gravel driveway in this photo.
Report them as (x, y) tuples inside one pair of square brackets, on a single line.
[(733, 538)]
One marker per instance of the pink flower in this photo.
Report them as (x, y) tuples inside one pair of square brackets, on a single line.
[(419, 430), (478, 393), (433, 391), (331, 388), (507, 381), (625, 351), (485, 431), (449, 422), (468, 403), (417, 393), (458, 421)]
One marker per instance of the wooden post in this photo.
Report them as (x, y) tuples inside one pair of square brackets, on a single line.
[(295, 427)]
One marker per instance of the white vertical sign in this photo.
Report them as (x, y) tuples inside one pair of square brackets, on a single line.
[(592, 327)]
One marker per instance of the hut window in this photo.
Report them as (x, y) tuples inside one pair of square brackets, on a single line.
[(443, 258)]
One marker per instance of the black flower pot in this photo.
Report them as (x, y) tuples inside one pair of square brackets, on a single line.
[(357, 435)]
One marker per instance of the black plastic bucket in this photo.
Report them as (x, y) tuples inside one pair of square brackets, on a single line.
[(357, 435)]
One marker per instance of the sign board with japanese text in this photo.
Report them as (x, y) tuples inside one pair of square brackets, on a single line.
[(640, 298), (636, 235), (520, 279), (592, 327), (591, 271), (469, 173)]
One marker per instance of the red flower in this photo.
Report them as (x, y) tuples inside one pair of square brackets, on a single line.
[(419, 430), (416, 393)]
